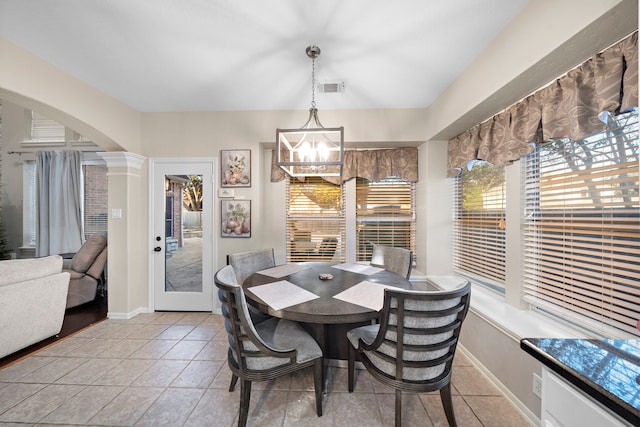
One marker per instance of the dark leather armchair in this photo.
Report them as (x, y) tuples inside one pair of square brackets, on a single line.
[(87, 270)]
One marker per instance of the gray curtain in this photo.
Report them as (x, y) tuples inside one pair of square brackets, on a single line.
[(59, 223)]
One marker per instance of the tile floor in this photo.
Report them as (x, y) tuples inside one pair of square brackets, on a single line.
[(169, 369)]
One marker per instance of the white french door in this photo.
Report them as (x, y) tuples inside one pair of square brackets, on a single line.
[(182, 234)]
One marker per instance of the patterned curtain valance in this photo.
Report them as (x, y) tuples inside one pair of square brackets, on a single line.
[(567, 108), (373, 165)]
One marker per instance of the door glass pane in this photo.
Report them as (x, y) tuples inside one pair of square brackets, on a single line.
[(183, 230)]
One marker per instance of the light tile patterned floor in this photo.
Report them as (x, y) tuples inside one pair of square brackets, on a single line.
[(169, 369)]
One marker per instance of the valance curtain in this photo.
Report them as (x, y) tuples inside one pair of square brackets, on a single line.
[(567, 108), (374, 165), (59, 223)]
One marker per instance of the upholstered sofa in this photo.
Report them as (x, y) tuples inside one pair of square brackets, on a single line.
[(33, 297)]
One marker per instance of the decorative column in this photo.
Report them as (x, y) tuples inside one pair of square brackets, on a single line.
[(127, 258)]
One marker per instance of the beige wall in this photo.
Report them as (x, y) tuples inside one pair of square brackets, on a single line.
[(11, 185), (546, 39), (205, 134), (33, 83)]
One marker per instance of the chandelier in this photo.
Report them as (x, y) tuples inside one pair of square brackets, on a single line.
[(311, 150)]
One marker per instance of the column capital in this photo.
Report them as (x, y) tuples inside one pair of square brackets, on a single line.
[(122, 159)]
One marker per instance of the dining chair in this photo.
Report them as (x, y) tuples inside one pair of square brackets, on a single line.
[(327, 249), (413, 346), (398, 260), (245, 264), (263, 351)]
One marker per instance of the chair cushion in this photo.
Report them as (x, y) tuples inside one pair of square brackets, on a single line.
[(75, 275), (283, 335), (89, 251), (366, 333), (21, 270)]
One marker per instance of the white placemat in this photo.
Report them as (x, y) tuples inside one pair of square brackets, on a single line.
[(359, 268), (282, 294), (282, 270), (366, 294)]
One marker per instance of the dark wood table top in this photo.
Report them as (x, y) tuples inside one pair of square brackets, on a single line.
[(326, 309)]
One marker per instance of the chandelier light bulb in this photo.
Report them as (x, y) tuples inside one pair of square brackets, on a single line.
[(304, 151), (323, 150), (312, 154)]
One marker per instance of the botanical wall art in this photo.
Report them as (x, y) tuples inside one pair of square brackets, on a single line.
[(236, 168), (236, 218)]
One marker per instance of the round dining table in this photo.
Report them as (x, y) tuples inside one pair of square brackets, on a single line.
[(328, 319)]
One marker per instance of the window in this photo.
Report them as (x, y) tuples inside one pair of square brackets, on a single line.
[(95, 211), (44, 129), (95, 198), (168, 216), (317, 228), (479, 224), (315, 220), (94, 175), (385, 215), (582, 228), (29, 204)]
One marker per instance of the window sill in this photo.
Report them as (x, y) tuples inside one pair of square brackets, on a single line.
[(514, 322), (26, 252)]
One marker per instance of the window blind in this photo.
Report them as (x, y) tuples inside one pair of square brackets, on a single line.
[(582, 229), (29, 203), (315, 220), (44, 129), (479, 224), (385, 215), (95, 199)]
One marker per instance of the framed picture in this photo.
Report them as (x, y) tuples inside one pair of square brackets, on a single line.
[(235, 166), (235, 218)]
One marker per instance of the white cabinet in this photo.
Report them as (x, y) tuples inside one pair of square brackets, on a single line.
[(563, 405)]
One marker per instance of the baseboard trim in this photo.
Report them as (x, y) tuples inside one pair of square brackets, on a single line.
[(524, 411), (129, 315)]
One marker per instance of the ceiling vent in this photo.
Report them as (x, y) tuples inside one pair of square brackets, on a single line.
[(331, 87)]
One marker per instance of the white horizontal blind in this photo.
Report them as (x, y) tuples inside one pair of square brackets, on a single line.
[(44, 129), (385, 215), (582, 228), (479, 223), (29, 203), (315, 220), (95, 199)]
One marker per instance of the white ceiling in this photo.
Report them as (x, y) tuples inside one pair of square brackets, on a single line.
[(208, 55)]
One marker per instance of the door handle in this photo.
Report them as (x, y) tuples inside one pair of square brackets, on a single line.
[(157, 249)]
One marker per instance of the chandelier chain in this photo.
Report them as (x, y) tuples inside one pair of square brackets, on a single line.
[(311, 150), (313, 82)]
